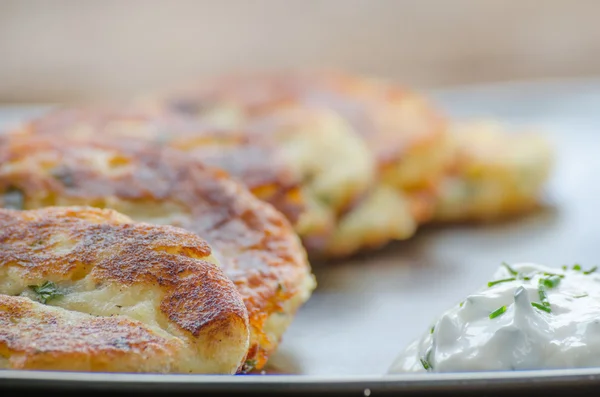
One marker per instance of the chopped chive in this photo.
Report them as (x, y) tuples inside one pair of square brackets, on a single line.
[(541, 307), (498, 312), (577, 267), (550, 282), (522, 276), (249, 365), (580, 296), (564, 267), (461, 304), (431, 330), (554, 274), (426, 361), (526, 278), (505, 280), (46, 292), (543, 296), (592, 270), (425, 364), (510, 269)]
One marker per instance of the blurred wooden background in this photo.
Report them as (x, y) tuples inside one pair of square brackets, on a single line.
[(69, 50)]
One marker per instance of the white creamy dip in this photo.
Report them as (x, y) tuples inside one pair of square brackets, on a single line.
[(528, 317)]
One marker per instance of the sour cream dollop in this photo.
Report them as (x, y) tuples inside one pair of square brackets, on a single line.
[(528, 316)]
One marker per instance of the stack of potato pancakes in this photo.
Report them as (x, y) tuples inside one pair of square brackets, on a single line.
[(173, 233)]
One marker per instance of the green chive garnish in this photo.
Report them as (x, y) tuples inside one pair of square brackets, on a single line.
[(431, 330), (554, 275), (425, 364), (543, 296), (46, 292), (426, 361), (498, 312), (492, 283), (576, 267), (249, 365), (461, 304), (592, 270), (580, 296), (541, 307), (510, 269), (550, 282), (564, 267)]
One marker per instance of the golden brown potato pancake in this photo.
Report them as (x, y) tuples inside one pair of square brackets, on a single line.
[(255, 244), (404, 134), (250, 158), (307, 163), (496, 172), (87, 289)]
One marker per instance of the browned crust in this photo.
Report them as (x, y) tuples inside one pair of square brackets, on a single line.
[(255, 244), (123, 253), (392, 119), (33, 336), (245, 155), (397, 124)]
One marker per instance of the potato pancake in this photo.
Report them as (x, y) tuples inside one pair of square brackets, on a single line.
[(496, 173), (403, 133), (87, 289), (254, 243), (307, 163), (249, 158)]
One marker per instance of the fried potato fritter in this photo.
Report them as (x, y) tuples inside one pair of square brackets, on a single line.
[(254, 244), (308, 163), (496, 172), (403, 136), (256, 161), (87, 289), (334, 166)]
